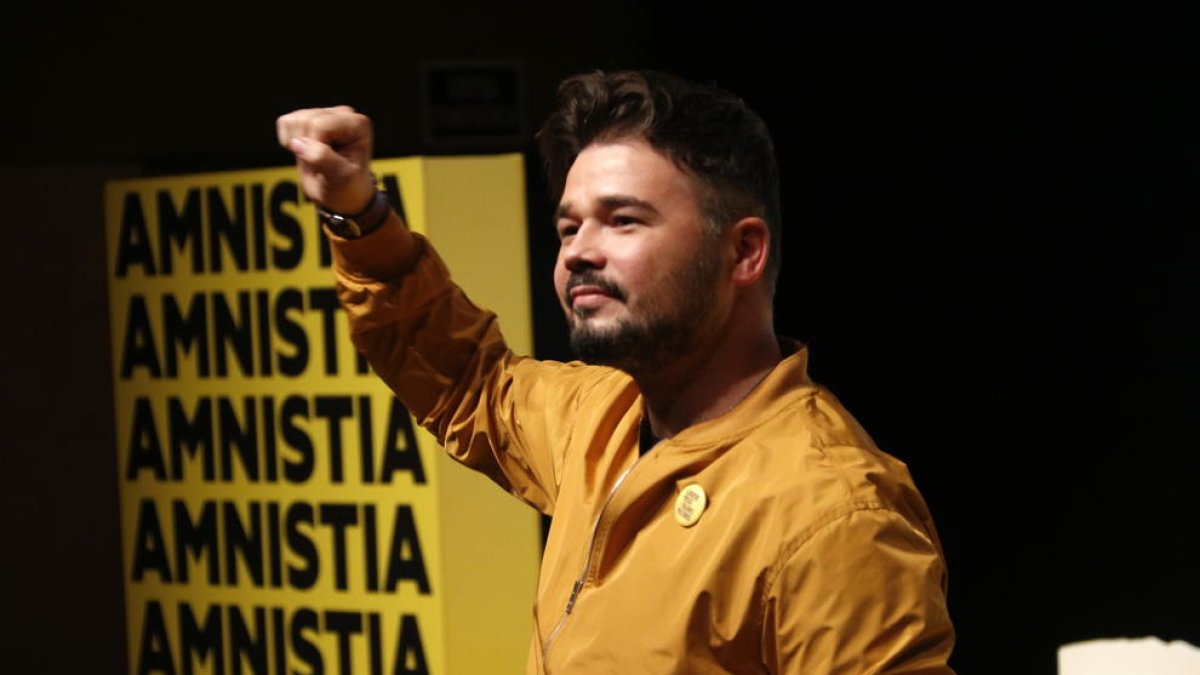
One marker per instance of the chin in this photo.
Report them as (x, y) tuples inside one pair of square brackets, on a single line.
[(617, 346)]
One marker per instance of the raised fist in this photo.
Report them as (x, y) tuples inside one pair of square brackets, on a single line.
[(333, 152)]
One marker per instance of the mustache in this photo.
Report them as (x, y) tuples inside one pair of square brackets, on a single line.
[(593, 278)]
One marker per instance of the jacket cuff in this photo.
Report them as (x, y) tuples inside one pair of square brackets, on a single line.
[(384, 254)]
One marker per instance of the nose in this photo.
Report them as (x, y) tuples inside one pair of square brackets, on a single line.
[(583, 250)]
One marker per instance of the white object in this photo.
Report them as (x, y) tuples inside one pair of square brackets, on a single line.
[(1129, 656)]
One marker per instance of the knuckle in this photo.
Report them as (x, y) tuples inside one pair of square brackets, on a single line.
[(321, 125), (285, 122)]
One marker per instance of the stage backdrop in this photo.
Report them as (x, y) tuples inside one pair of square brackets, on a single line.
[(280, 511)]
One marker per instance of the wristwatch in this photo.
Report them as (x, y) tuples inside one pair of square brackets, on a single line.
[(361, 223)]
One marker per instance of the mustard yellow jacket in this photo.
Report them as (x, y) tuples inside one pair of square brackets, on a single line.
[(813, 554)]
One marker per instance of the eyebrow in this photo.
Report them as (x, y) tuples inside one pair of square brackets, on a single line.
[(610, 203)]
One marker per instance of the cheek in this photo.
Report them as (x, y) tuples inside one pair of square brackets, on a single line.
[(638, 271), (560, 278)]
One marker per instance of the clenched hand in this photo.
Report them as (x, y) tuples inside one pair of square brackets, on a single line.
[(333, 152)]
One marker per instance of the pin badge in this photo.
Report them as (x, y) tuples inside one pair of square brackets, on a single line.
[(689, 505)]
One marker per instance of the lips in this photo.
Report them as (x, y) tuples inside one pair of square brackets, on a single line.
[(586, 290), (585, 299), (590, 285)]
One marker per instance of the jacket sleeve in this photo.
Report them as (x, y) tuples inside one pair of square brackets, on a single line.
[(447, 362), (865, 593)]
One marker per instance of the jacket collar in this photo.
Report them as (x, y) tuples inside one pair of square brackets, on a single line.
[(763, 402)]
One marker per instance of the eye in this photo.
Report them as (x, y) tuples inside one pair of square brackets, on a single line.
[(625, 220), (566, 230)]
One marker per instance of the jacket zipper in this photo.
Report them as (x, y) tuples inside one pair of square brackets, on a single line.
[(587, 564)]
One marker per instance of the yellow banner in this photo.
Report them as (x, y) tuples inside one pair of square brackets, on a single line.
[(280, 511)]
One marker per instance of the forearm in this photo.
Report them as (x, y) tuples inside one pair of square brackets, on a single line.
[(417, 329), (442, 355), (384, 254)]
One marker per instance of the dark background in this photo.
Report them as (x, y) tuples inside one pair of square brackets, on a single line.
[(991, 247)]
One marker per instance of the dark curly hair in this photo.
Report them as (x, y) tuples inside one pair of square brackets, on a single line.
[(709, 133)]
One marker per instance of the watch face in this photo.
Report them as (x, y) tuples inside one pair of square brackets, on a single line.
[(350, 227), (340, 225)]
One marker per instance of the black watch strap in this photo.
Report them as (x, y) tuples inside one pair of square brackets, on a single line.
[(361, 223)]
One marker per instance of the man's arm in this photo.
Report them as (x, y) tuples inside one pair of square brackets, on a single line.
[(863, 594), (444, 357)]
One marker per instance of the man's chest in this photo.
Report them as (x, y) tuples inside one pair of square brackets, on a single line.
[(664, 554)]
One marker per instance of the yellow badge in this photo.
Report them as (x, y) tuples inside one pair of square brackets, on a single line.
[(689, 505)]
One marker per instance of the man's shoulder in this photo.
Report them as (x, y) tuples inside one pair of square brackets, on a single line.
[(807, 431), (563, 386), (581, 378), (814, 464), (810, 414)]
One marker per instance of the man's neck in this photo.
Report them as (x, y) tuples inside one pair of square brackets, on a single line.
[(708, 383)]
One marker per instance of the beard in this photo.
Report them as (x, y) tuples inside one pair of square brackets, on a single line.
[(663, 328)]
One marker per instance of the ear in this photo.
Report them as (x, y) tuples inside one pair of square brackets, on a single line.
[(751, 240)]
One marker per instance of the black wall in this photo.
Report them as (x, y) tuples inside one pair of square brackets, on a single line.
[(991, 247)]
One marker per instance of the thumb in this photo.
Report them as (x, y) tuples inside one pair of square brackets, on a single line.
[(329, 178)]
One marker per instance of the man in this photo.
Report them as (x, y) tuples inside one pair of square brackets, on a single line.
[(714, 510)]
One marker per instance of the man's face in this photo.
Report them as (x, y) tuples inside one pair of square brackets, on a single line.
[(637, 269)]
